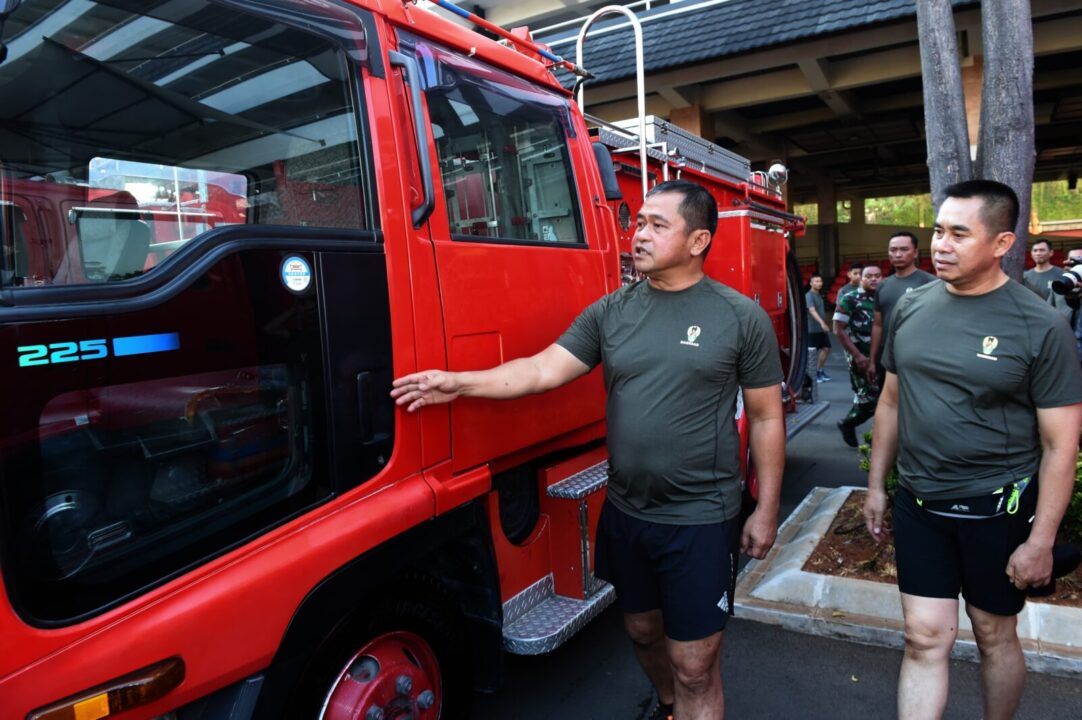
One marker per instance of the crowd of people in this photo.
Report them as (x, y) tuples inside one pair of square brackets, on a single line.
[(975, 387)]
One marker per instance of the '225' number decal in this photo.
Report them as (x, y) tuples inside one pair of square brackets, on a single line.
[(62, 352)]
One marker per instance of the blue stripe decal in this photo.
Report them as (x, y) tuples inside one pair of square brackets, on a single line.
[(144, 344)]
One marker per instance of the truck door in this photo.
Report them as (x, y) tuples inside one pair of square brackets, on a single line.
[(514, 260)]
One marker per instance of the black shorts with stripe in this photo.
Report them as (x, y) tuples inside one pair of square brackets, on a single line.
[(686, 571)]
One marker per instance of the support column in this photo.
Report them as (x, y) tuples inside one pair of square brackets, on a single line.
[(693, 119), (972, 86), (828, 229), (856, 211)]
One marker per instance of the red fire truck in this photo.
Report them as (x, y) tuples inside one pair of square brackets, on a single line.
[(226, 226)]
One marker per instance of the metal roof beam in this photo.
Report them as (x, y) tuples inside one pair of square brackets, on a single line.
[(752, 145), (817, 73), (679, 97)]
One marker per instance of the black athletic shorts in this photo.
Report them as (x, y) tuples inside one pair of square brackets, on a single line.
[(686, 571), (939, 556), (818, 339)]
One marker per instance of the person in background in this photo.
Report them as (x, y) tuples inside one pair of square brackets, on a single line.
[(903, 253), (818, 329), (853, 319), (1039, 277), (1069, 305), (855, 269)]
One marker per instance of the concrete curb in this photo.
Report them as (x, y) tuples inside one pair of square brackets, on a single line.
[(776, 591)]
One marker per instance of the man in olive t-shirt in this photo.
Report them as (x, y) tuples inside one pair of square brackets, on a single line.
[(967, 407), (982, 407), (818, 328), (1039, 277), (676, 348), (903, 251), (673, 362)]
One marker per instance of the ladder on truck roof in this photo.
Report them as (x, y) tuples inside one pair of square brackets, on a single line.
[(673, 146)]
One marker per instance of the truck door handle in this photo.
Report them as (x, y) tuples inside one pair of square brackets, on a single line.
[(413, 81)]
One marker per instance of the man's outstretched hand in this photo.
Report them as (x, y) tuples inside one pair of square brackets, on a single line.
[(430, 387)]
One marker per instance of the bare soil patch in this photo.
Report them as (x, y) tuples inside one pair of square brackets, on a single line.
[(847, 550)]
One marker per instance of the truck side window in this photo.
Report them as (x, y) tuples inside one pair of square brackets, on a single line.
[(143, 453), (503, 156), (136, 143)]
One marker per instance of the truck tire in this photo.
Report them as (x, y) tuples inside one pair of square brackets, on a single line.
[(400, 661), (797, 321)]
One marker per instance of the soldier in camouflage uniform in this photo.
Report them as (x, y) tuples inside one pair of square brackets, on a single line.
[(853, 320)]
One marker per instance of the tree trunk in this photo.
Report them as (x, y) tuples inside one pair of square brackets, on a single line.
[(944, 106), (1006, 151)]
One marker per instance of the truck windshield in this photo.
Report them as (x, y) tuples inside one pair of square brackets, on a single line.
[(127, 132)]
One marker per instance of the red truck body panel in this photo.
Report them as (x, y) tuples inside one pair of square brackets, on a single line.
[(452, 304)]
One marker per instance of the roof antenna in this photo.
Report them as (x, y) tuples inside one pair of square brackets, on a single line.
[(6, 8)]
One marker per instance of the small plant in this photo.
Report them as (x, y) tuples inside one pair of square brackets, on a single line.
[(865, 450), (1072, 520)]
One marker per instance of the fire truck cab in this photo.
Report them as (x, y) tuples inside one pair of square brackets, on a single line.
[(226, 226)]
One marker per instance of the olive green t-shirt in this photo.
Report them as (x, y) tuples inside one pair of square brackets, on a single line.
[(1041, 282), (972, 371), (673, 362), (813, 299), (892, 288)]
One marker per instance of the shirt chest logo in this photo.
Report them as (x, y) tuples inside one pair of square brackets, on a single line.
[(988, 346), (693, 334)]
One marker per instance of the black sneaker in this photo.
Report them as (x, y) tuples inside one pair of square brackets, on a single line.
[(661, 712), (849, 433), (1065, 558)]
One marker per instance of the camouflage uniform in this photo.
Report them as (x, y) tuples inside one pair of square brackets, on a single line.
[(857, 311)]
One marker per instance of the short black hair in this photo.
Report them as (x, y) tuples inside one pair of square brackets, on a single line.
[(855, 266), (1038, 241), (698, 208), (905, 233), (999, 203)]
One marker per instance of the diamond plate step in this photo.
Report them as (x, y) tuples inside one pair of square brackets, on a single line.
[(582, 483), (537, 620)]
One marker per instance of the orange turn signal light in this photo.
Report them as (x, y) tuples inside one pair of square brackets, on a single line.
[(124, 693)]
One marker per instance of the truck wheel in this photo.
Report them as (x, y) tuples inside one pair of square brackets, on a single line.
[(401, 664), (797, 321)]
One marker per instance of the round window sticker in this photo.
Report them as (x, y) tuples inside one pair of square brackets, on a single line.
[(296, 274)]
